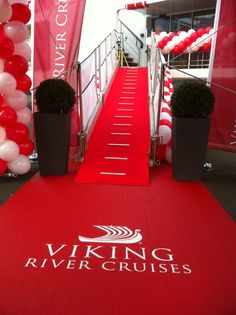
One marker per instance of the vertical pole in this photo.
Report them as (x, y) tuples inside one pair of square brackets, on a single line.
[(82, 132), (122, 49), (99, 69), (96, 72), (161, 93), (106, 60), (111, 49), (189, 60)]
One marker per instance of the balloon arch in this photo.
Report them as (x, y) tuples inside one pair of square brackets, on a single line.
[(15, 116), (184, 42)]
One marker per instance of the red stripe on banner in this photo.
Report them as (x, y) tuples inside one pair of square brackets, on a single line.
[(57, 37)]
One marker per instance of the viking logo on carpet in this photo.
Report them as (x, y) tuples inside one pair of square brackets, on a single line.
[(129, 255), (114, 234)]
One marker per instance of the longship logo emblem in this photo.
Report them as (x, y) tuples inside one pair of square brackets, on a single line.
[(114, 234)]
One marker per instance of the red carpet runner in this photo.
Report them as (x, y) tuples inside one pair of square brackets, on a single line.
[(170, 249), (118, 149)]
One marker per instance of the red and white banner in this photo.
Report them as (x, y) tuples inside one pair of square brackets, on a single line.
[(223, 126), (137, 5), (57, 31)]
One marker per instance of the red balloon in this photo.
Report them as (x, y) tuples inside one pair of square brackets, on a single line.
[(172, 35), (165, 40), (1, 100), (193, 37), (200, 32), (206, 47), (182, 46), (26, 147), (17, 133), (7, 47), (20, 12), (166, 83), (176, 50), (16, 65), (23, 83), (8, 116), (160, 44), (3, 167), (207, 30), (187, 42)]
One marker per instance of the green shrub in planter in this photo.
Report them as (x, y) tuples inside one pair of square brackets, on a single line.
[(191, 104), (192, 99), (54, 96), (55, 99)]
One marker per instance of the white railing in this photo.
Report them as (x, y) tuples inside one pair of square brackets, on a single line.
[(156, 70), (130, 42), (94, 75)]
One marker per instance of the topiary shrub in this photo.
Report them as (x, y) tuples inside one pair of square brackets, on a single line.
[(54, 96), (192, 99)]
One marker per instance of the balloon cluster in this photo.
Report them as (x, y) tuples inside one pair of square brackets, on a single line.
[(188, 42), (165, 125), (15, 145)]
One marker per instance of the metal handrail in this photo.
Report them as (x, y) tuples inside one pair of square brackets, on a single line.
[(156, 70), (98, 61), (132, 44), (137, 38)]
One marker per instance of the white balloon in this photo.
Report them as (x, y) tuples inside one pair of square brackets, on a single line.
[(166, 116), (191, 31), (211, 32), (1, 65), (17, 100), (170, 45), (167, 98), (176, 40), (165, 132), (168, 154), (199, 42), (2, 134), (5, 11), (157, 38), (166, 89), (7, 83), (194, 47), (20, 165), (23, 49), (204, 38), (24, 115), (163, 34), (9, 150), (164, 105), (183, 35), (16, 31), (165, 50)]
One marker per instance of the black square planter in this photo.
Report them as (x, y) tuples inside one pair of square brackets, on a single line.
[(52, 133), (189, 147)]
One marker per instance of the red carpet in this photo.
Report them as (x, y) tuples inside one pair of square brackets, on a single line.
[(118, 149), (170, 249)]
